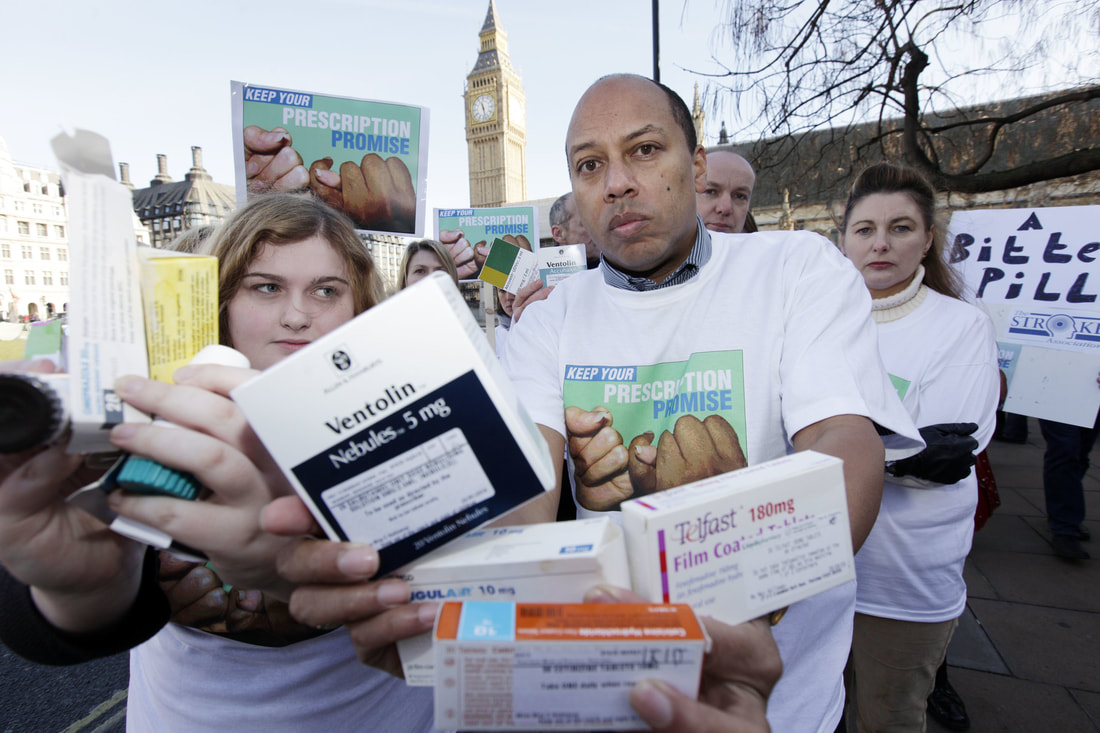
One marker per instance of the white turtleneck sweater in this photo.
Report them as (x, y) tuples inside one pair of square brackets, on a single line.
[(942, 357)]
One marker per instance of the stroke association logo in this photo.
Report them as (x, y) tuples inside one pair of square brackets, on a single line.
[(1056, 328)]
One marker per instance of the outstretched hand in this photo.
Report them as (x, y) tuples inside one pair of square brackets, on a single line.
[(210, 439), (335, 587), (82, 575)]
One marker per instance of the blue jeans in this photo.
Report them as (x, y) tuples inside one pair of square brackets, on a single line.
[(1064, 465)]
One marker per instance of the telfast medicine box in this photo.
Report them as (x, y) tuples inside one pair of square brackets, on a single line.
[(745, 543), (559, 561), (559, 666), (400, 428)]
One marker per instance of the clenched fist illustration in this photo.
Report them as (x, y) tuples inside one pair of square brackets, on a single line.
[(694, 450), (599, 458), (375, 194), (272, 165)]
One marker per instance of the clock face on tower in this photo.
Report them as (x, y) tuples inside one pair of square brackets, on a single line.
[(483, 108)]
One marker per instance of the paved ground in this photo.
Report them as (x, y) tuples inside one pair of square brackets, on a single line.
[(1025, 656), (90, 698)]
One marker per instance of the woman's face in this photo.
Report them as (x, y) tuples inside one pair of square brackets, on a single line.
[(291, 294), (886, 238), (422, 264)]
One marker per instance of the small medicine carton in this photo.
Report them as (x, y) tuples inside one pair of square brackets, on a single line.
[(399, 428), (560, 261), (559, 561), (559, 666), (105, 338), (179, 292), (132, 309), (745, 543)]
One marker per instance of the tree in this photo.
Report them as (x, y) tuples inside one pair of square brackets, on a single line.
[(912, 68)]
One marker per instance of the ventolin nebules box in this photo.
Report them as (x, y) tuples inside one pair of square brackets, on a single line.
[(400, 429)]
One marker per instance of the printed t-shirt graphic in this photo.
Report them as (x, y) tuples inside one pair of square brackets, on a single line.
[(699, 402)]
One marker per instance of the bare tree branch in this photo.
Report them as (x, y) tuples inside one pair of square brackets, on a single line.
[(799, 66)]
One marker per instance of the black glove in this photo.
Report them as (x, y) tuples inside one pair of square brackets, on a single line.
[(948, 457)]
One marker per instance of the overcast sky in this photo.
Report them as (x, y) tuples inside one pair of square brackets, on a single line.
[(154, 76)]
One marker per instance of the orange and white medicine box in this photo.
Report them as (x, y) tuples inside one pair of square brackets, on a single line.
[(558, 561), (558, 666), (745, 543)]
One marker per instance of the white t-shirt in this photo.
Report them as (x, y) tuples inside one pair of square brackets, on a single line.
[(943, 357), (500, 335), (187, 680), (773, 334)]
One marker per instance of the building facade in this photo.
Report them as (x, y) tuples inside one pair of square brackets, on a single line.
[(34, 242), (169, 208), (802, 182), (496, 121)]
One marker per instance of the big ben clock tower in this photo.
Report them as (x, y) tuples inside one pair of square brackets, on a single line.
[(496, 125)]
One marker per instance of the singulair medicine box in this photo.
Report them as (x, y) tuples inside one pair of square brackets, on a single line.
[(400, 429), (559, 561), (745, 543)]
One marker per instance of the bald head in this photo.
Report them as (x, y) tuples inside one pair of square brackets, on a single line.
[(635, 173), (727, 192)]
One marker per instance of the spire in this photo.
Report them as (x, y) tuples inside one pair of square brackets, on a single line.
[(494, 44), (786, 217), (490, 23), (699, 118), (723, 136)]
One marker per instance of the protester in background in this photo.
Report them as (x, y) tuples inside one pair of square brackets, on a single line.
[(942, 356), (726, 197), (1065, 463), (423, 257), (192, 240), (567, 228), (504, 302), (291, 270)]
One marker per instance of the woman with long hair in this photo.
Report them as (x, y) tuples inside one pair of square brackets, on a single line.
[(942, 357), (290, 270)]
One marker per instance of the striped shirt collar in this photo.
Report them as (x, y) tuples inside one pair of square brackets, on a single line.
[(696, 259)]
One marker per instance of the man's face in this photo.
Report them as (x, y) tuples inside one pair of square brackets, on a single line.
[(727, 192), (634, 180), (572, 231)]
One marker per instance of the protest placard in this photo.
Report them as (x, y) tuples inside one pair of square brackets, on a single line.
[(468, 233), (364, 157), (1035, 272)]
